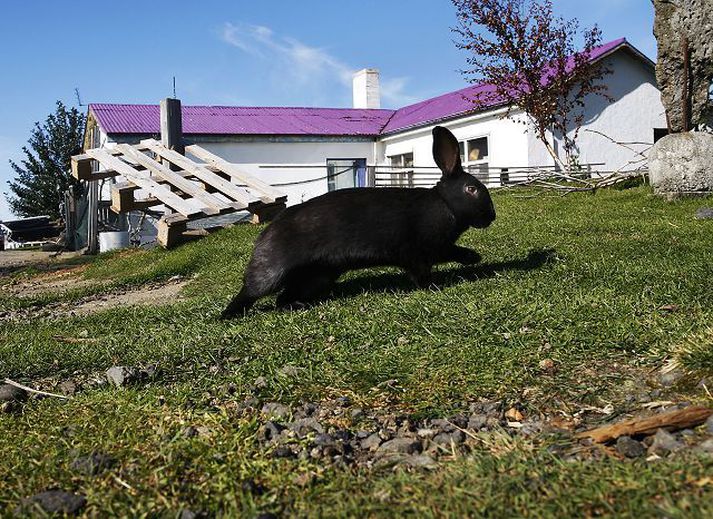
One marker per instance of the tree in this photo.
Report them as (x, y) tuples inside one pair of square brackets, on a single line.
[(44, 175), (529, 58)]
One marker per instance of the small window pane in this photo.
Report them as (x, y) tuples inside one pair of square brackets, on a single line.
[(408, 160), (461, 147), (478, 149)]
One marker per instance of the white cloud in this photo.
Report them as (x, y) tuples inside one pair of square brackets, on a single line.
[(302, 64)]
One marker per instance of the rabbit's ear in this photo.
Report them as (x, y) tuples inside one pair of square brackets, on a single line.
[(446, 152)]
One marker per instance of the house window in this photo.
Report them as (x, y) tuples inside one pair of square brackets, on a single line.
[(404, 160), (345, 173), (474, 156), (477, 149)]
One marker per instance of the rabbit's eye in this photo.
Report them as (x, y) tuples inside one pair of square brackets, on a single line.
[(471, 190)]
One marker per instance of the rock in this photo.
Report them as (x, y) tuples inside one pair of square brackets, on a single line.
[(270, 432), (709, 425), (679, 164), (68, 387), (357, 413), (10, 393), (51, 502), (283, 452), (419, 461), (276, 410), (260, 383), (477, 421), (120, 376), (400, 446), (707, 446), (670, 378), (372, 442), (323, 440), (447, 438), (704, 213), (442, 425), (665, 443), (93, 464), (426, 434), (629, 448), (305, 426)]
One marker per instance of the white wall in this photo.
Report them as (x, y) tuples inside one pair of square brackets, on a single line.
[(257, 157), (507, 140), (635, 112)]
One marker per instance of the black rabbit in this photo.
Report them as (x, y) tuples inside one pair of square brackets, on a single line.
[(308, 246)]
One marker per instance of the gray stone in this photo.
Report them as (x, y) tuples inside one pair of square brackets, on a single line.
[(709, 425), (283, 452), (93, 464), (68, 387), (629, 448), (371, 442), (305, 426), (10, 393), (426, 433), (400, 446), (680, 164), (276, 410), (414, 461), (705, 213), (260, 383), (270, 432), (477, 421), (447, 438), (664, 443), (120, 376), (707, 446), (51, 502), (357, 413)]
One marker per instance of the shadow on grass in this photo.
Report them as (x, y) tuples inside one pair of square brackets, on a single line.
[(400, 282)]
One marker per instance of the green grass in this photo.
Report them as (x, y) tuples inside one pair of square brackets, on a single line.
[(577, 279)]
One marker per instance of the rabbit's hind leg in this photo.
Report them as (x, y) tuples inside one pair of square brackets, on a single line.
[(306, 285)]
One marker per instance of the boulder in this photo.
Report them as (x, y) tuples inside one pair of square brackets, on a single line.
[(682, 164)]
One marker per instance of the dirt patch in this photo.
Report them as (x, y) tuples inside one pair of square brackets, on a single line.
[(153, 294), (56, 281), (15, 259)]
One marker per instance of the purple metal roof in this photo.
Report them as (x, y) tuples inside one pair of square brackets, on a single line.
[(460, 102), (239, 120)]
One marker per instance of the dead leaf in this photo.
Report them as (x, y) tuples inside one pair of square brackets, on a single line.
[(669, 308), (514, 415)]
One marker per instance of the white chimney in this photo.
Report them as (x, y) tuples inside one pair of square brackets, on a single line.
[(365, 86)]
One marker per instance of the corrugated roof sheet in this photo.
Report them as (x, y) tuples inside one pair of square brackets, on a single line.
[(240, 120)]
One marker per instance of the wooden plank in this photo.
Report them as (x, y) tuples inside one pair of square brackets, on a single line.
[(272, 194), (142, 180), (224, 186), (688, 417), (212, 203)]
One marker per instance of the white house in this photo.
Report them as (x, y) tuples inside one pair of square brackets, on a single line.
[(309, 151)]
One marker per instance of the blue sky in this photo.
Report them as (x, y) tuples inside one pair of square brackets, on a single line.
[(240, 52)]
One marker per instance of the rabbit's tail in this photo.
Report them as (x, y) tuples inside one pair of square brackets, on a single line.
[(257, 284)]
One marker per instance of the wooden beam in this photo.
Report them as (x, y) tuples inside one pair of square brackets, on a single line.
[(213, 204), (269, 193), (224, 186), (142, 180), (170, 230)]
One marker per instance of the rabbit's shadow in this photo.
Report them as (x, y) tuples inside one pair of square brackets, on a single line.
[(399, 282)]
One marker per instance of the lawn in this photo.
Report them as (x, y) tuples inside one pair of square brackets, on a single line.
[(579, 303)]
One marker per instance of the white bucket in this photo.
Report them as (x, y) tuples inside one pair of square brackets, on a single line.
[(113, 240)]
